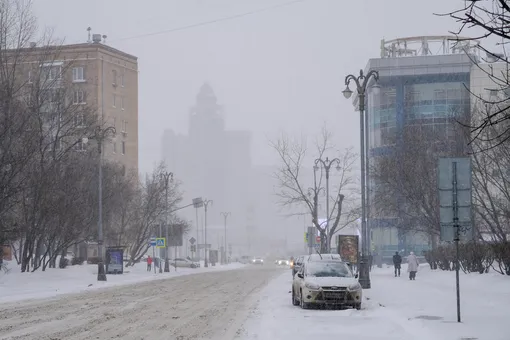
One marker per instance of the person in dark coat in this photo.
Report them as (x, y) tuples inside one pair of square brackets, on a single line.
[(397, 263)]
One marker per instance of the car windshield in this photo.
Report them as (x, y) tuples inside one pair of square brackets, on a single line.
[(328, 269)]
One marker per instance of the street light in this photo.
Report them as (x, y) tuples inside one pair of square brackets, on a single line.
[(167, 177), (99, 135), (225, 216), (206, 204), (326, 164), (198, 203), (361, 83)]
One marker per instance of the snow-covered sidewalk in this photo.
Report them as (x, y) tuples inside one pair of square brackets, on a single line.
[(15, 286), (395, 308)]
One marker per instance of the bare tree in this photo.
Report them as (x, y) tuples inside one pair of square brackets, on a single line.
[(149, 207), (299, 188), (405, 180), (488, 19)]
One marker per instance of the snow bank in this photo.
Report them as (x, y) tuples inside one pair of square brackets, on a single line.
[(15, 286), (395, 308)]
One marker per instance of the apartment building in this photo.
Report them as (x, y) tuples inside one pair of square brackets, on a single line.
[(103, 79)]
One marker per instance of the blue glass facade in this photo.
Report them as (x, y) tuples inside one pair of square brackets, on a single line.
[(429, 102)]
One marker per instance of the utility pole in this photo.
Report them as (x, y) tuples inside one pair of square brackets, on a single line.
[(100, 135), (206, 204), (224, 255), (167, 177)]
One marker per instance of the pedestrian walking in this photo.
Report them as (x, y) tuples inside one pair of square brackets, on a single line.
[(412, 266), (397, 263), (149, 263)]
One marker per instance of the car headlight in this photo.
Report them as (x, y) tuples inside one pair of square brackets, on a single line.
[(354, 287), (312, 286), (261, 260)]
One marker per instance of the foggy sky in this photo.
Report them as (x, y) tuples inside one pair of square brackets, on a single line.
[(283, 69)]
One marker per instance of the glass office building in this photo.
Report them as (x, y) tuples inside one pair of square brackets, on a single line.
[(429, 92)]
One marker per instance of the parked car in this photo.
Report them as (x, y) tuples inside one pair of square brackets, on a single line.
[(321, 257), (326, 282), (184, 263), (257, 260)]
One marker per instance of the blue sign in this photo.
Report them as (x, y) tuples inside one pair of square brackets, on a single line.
[(152, 242), (160, 242)]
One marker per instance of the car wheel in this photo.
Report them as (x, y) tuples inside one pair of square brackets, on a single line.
[(302, 302), (357, 306), (295, 302)]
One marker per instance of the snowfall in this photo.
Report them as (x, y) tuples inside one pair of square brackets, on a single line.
[(394, 308)]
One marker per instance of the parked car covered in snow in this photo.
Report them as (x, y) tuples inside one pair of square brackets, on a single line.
[(327, 283)]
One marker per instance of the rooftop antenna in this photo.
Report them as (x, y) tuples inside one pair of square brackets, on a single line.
[(88, 30), (104, 39)]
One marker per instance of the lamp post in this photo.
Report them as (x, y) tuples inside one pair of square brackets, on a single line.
[(167, 177), (99, 136), (198, 203), (206, 204), (225, 216), (361, 83), (326, 164)]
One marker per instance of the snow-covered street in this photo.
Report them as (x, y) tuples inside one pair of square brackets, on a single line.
[(16, 286), (395, 308), (211, 305), (248, 303)]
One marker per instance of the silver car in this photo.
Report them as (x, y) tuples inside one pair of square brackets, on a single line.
[(184, 263), (326, 283)]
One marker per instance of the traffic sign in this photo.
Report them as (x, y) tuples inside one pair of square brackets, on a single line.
[(160, 242), (192, 240), (317, 246), (193, 248), (318, 239), (152, 242)]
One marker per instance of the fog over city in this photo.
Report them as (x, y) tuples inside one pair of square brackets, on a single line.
[(254, 169)]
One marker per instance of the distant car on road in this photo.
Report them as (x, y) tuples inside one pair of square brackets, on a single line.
[(257, 260), (328, 283), (282, 262)]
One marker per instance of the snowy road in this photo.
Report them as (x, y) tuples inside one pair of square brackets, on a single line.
[(203, 306)]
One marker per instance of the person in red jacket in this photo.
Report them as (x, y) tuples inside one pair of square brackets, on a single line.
[(149, 263)]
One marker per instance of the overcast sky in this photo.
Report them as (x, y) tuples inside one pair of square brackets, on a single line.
[(280, 69)]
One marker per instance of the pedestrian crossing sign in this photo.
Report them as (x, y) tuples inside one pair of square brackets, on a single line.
[(160, 242)]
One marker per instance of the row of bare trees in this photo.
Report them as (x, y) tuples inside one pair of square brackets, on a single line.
[(48, 171), (300, 186)]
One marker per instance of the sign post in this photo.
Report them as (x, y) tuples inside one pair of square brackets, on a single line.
[(192, 241), (152, 243), (455, 207)]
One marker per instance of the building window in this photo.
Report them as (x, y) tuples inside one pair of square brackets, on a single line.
[(124, 126), (114, 100), (114, 147), (123, 147), (30, 80), (114, 72), (122, 79), (79, 97), (53, 72), (78, 74), (114, 123), (122, 103), (80, 119)]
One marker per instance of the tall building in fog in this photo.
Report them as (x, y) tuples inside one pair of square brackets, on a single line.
[(212, 162), (425, 84)]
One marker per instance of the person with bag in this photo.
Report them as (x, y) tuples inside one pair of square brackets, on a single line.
[(412, 265), (397, 263)]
